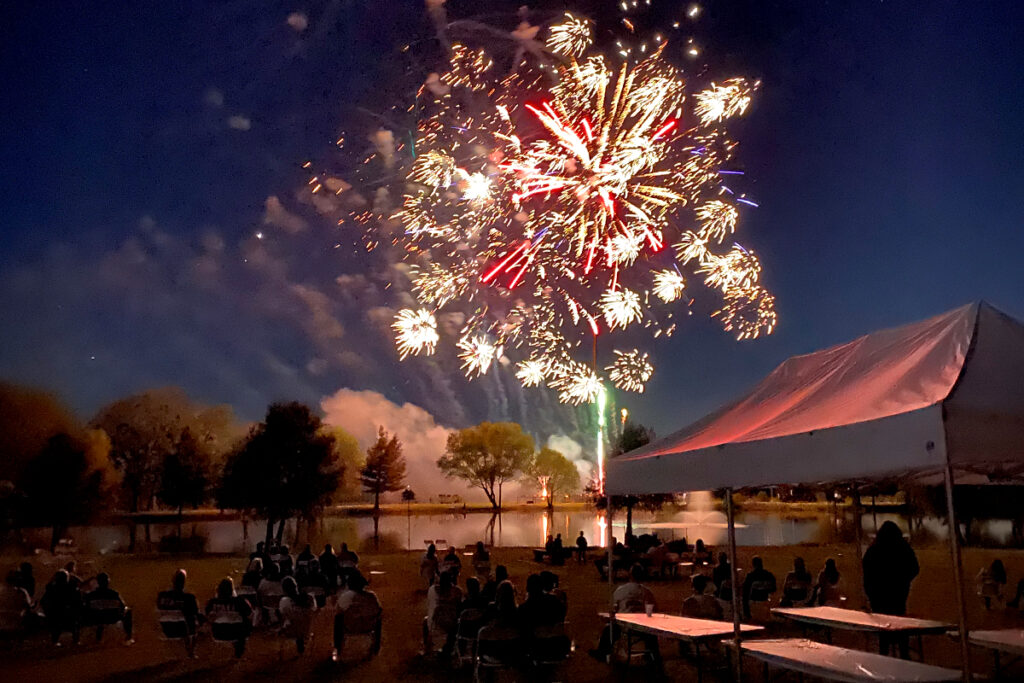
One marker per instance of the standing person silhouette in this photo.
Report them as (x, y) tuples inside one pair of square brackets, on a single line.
[(581, 548), (890, 566)]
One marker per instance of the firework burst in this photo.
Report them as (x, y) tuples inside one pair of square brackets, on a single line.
[(541, 200), (630, 371), (415, 332)]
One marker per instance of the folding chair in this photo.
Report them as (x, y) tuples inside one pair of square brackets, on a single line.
[(466, 632), (247, 592), (229, 628), (318, 594), (441, 627), (497, 649), (632, 638), (299, 625), (760, 611), (174, 627), (103, 613), (270, 604), (550, 646), (362, 621)]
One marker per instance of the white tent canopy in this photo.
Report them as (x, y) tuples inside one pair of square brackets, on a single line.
[(890, 403)]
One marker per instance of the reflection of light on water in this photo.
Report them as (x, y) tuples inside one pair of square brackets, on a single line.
[(602, 531), (543, 529)]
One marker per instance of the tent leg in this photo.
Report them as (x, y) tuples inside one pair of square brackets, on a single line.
[(958, 568), (611, 565), (858, 515), (734, 579)]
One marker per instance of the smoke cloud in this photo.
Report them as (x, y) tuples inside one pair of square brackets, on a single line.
[(360, 413)]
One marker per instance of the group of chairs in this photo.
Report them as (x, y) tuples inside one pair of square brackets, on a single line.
[(226, 627), (490, 648)]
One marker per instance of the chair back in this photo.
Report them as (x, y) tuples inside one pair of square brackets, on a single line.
[(726, 606), (361, 618), (173, 624), (797, 591), (298, 621), (497, 646), (445, 617), (760, 591), (105, 612), (550, 645), (831, 596), (318, 594), (470, 622), (271, 601), (227, 627)]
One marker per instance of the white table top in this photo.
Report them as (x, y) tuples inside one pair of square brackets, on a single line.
[(680, 628), (854, 620), (833, 663), (1007, 640)]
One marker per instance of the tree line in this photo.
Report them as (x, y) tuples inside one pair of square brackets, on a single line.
[(160, 450)]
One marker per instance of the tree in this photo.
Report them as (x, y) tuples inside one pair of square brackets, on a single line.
[(67, 482), (385, 467), (555, 473), (351, 458), (145, 428), (185, 475), (29, 418), (633, 436), (408, 495), (487, 456), (286, 468)]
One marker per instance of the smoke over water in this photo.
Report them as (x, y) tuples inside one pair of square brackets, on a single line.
[(360, 413)]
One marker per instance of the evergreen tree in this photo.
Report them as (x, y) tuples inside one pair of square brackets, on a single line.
[(385, 467)]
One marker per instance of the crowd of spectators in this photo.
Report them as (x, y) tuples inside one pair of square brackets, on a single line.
[(510, 626)]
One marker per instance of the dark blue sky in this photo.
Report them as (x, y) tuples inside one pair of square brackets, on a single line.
[(140, 145)]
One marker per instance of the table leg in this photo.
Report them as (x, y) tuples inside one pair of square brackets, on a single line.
[(996, 653), (700, 667), (920, 648)]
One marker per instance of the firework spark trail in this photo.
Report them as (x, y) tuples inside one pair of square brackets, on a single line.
[(541, 199)]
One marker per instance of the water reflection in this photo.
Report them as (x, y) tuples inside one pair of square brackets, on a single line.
[(522, 529)]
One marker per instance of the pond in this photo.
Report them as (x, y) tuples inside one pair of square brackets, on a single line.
[(523, 529)]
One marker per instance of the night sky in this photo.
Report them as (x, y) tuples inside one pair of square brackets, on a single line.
[(142, 143)]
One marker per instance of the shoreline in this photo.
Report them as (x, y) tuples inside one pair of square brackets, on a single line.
[(794, 509)]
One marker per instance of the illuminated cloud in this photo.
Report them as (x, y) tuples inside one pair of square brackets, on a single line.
[(298, 21), (275, 214), (239, 122)]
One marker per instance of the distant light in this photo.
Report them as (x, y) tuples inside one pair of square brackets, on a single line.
[(693, 11), (693, 51), (259, 235)]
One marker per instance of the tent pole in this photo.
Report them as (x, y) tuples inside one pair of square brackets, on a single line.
[(858, 534), (611, 564), (734, 579), (958, 568)]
